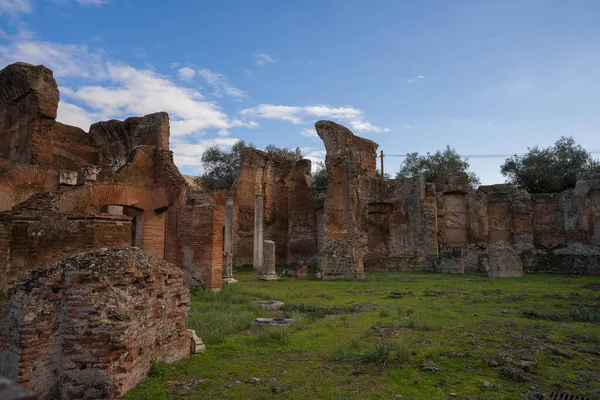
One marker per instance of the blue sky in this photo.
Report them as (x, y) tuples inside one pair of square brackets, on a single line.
[(485, 77)]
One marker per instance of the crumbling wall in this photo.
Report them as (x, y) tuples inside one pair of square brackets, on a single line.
[(401, 223), (28, 104), (32, 242), (90, 326), (116, 139), (266, 174), (302, 218), (197, 242), (348, 158)]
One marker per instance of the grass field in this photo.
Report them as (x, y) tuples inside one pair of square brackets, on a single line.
[(402, 335)]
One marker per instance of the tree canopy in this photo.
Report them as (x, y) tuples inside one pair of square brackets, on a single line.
[(548, 170), (431, 166), (295, 154), (319, 177), (221, 167)]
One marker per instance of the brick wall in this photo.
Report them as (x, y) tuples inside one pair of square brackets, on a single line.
[(90, 326), (199, 244), (36, 242), (154, 233)]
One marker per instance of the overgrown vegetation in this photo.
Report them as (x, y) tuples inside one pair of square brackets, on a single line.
[(550, 169), (408, 334), (432, 166), (222, 166)]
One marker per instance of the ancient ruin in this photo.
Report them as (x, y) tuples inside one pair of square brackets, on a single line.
[(76, 191), (101, 237), (90, 326), (362, 223)]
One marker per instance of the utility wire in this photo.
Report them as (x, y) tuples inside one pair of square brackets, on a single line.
[(484, 155)]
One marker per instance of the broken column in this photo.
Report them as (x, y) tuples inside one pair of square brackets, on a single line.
[(348, 159), (268, 272), (257, 265), (227, 243)]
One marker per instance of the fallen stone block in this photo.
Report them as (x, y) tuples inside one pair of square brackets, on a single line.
[(272, 322)]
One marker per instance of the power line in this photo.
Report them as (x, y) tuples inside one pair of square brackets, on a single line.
[(597, 151)]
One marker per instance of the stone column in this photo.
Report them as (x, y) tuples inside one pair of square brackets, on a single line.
[(257, 265), (227, 243), (268, 271)]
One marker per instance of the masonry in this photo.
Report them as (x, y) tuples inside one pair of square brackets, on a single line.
[(362, 223), (289, 215), (89, 326), (63, 177)]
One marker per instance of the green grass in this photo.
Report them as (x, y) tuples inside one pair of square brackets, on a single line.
[(367, 339)]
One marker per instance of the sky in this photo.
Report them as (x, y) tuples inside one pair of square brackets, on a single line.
[(485, 77)]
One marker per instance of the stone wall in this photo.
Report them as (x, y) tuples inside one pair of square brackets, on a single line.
[(270, 175), (31, 242), (28, 104), (450, 226), (302, 217), (90, 326), (348, 159)]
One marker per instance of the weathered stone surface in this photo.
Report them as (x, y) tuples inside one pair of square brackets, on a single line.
[(34, 242), (348, 158), (289, 219), (228, 268), (117, 138), (302, 217), (259, 223), (68, 178), (9, 390), (272, 322), (194, 240), (268, 271), (504, 261), (297, 270), (125, 164), (197, 345), (28, 104), (271, 304), (90, 326)]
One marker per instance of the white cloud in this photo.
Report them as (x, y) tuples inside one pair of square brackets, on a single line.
[(15, 6), (186, 73), (261, 58), (415, 79), (365, 126), (309, 132), (139, 92), (298, 115), (63, 59), (221, 85), (72, 114)]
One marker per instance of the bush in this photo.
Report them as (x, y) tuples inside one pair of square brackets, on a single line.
[(548, 170)]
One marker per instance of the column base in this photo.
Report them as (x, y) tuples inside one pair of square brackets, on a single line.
[(229, 280)]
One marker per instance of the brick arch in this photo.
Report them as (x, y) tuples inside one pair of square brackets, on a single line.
[(19, 183), (122, 195), (150, 221)]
